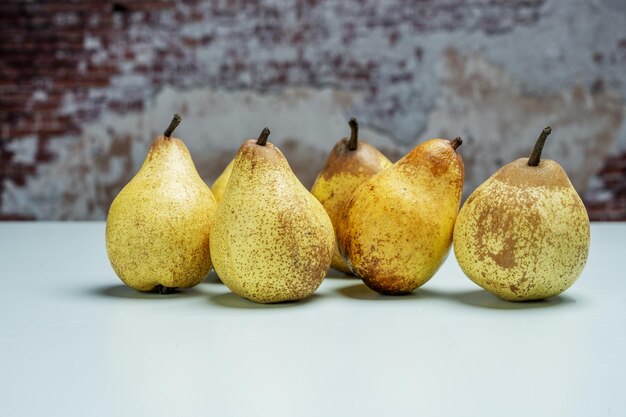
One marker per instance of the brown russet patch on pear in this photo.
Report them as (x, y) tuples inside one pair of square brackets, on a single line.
[(378, 277), (382, 275), (161, 142), (435, 155), (389, 285), (438, 155), (518, 174), (346, 247), (434, 160), (360, 161), (459, 180), (496, 220), (310, 267), (492, 223), (266, 154), (506, 257)]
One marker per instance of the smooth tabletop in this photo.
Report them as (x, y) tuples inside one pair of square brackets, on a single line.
[(76, 342)]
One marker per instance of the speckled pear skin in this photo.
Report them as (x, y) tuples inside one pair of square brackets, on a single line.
[(396, 230), (524, 233), (158, 227), (343, 172), (272, 241), (219, 185)]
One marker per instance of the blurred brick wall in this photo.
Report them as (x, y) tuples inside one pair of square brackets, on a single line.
[(84, 85)]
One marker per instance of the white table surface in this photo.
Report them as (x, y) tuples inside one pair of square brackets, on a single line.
[(76, 342)]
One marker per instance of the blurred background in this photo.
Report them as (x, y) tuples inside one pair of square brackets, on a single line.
[(86, 85)]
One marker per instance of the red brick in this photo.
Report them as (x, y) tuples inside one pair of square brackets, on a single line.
[(147, 6), (15, 217), (85, 81), (46, 106), (62, 6), (50, 132)]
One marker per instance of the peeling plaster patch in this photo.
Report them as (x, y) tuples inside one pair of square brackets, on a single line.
[(39, 95), (24, 150), (92, 43), (485, 106), (89, 170)]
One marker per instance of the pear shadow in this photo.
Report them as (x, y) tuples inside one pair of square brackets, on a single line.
[(335, 274), (363, 292), (123, 291), (232, 300), (484, 299)]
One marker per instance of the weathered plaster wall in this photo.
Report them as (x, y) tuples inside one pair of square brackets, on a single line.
[(500, 122), (86, 85), (305, 123)]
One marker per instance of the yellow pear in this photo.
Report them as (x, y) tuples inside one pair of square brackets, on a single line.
[(396, 229), (219, 185), (157, 230), (524, 233), (350, 163), (271, 240)]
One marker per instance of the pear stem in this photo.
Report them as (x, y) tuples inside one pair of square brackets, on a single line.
[(173, 125), (354, 134), (535, 156), (162, 289), (456, 142), (262, 140)]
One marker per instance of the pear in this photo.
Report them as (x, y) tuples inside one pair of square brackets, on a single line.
[(219, 185), (350, 163), (271, 241), (523, 234), (158, 227), (396, 230)]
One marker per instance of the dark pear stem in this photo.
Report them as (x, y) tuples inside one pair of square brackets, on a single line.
[(354, 134), (262, 140), (162, 289), (535, 157), (173, 125), (456, 142)]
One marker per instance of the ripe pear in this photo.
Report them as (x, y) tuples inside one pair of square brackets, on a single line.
[(158, 227), (396, 230), (350, 163), (219, 185), (271, 241), (523, 234)]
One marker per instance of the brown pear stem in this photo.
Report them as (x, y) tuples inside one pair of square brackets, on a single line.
[(173, 125), (535, 156), (162, 289), (262, 140), (354, 134), (456, 142)]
